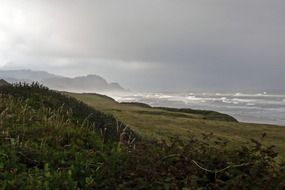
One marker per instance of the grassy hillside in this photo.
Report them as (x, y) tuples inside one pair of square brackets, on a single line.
[(157, 122), (3, 82), (48, 140), (52, 141), (38, 97)]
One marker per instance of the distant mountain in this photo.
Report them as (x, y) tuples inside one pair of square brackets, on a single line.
[(25, 75), (89, 83), (3, 82)]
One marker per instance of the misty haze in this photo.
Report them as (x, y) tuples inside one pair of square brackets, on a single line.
[(101, 87)]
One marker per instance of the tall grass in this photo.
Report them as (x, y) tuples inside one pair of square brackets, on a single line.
[(46, 142)]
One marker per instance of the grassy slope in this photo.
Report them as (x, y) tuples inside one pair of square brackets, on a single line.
[(3, 82), (50, 141), (154, 122)]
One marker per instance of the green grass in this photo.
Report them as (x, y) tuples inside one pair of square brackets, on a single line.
[(52, 141), (159, 122)]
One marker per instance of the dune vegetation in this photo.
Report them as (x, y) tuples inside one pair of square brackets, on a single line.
[(152, 122), (50, 140)]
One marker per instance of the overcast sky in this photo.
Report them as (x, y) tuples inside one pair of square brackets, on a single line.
[(149, 44)]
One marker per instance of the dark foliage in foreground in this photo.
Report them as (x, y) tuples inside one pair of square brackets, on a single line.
[(44, 145), (202, 164)]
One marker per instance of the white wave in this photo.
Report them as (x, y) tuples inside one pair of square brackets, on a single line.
[(235, 100), (263, 94), (125, 99), (227, 101), (205, 99), (243, 100), (165, 96), (193, 98)]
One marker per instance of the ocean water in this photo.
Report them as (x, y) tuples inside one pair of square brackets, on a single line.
[(246, 107)]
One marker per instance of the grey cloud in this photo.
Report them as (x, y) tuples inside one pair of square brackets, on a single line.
[(162, 44)]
